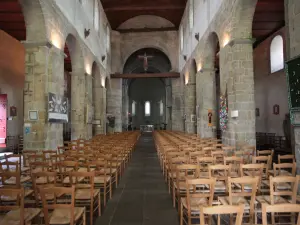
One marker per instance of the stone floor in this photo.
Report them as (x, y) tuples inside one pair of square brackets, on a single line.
[(142, 197)]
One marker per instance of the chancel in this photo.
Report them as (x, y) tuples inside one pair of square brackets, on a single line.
[(149, 112)]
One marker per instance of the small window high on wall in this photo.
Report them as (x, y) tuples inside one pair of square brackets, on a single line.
[(96, 15), (161, 108), (276, 54), (133, 108), (147, 108), (191, 14)]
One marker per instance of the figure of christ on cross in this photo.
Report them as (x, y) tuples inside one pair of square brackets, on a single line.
[(145, 57)]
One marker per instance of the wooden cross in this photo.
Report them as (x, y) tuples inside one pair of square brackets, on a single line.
[(145, 57)]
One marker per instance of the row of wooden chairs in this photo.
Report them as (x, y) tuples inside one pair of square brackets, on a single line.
[(62, 186), (214, 178)]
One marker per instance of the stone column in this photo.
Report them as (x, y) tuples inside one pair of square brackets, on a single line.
[(168, 109), (206, 101), (190, 106), (177, 105), (44, 74), (98, 106), (78, 105), (238, 76), (114, 102), (89, 104), (125, 107)]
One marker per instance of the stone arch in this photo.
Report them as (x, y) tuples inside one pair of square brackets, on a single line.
[(137, 47), (34, 20), (142, 21), (78, 88), (243, 18), (161, 62)]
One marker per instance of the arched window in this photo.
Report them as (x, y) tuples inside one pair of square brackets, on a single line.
[(276, 54), (161, 108), (181, 37), (107, 38), (147, 108), (133, 108), (191, 14), (96, 15)]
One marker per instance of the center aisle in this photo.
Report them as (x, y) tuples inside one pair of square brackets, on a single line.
[(142, 196)]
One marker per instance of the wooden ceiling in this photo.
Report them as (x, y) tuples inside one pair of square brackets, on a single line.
[(12, 19), (268, 18), (119, 11)]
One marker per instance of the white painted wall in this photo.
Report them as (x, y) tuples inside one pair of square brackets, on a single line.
[(81, 16), (204, 12)]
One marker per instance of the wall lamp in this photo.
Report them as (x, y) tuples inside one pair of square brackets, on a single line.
[(87, 32)]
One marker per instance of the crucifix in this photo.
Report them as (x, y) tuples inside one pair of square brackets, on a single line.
[(145, 57)]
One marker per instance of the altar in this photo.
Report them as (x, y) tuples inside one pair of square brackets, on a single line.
[(146, 128)]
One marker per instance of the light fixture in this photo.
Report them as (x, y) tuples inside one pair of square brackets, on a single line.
[(103, 58), (197, 36), (86, 32), (184, 57)]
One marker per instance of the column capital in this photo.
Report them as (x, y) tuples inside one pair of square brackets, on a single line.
[(43, 43), (241, 41)]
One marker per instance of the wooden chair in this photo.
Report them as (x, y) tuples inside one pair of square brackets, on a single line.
[(202, 193), (85, 193), (62, 210), (235, 165), (282, 208), (220, 173), (221, 210), (16, 213), (284, 169), (43, 180), (239, 195), (183, 172)]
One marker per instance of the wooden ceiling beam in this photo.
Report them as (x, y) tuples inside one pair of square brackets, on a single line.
[(146, 75), (144, 8), (140, 30)]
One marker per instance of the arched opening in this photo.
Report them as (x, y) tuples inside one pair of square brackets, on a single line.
[(67, 92), (75, 66), (272, 119), (146, 93)]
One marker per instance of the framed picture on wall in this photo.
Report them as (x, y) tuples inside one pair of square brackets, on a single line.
[(33, 115), (13, 111)]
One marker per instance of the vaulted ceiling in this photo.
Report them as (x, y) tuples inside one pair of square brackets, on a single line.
[(12, 19), (268, 18), (119, 11)]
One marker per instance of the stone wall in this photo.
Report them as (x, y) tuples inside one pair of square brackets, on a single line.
[(270, 89)]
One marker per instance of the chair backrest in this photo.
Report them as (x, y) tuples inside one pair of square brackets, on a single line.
[(5, 175), (221, 210), (266, 159), (200, 188), (83, 180), (13, 192), (289, 190), (284, 169), (184, 171), (9, 166), (286, 159), (265, 153), (280, 208), (220, 172), (69, 203)]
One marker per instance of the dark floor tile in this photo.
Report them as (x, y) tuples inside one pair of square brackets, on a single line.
[(142, 196)]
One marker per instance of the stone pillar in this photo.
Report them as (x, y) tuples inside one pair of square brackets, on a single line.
[(44, 74), (177, 105), (125, 107), (89, 104), (78, 105), (206, 101), (99, 94), (190, 106), (238, 76), (114, 102), (168, 110)]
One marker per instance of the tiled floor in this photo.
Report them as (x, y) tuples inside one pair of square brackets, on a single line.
[(142, 197)]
